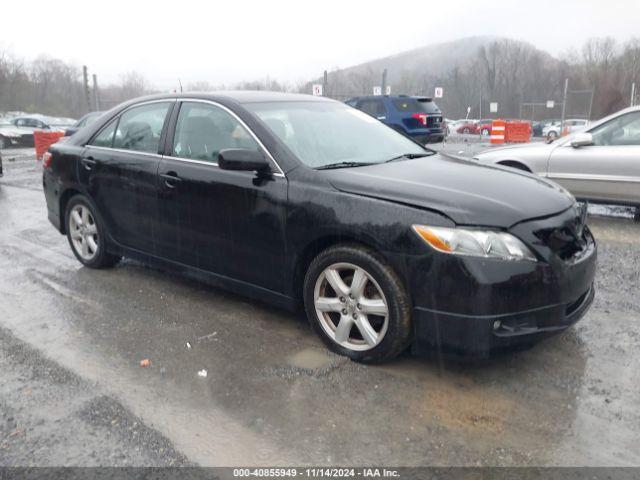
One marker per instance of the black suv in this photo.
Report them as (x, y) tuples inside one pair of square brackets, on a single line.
[(418, 118)]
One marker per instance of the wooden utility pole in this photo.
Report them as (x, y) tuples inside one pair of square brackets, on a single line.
[(564, 102), (383, 88), (85, 75), (325, 81), (96, 93)]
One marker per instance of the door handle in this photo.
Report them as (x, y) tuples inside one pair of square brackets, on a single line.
[(171, 179), (88, 163)]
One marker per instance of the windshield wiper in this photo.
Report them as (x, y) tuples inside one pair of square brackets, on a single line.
[(410, 156), (343, 165)]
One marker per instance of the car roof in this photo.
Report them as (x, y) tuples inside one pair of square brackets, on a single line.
[(239, 96), (391, 97)]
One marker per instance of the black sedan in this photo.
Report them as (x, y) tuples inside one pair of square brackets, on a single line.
[(304, 201)]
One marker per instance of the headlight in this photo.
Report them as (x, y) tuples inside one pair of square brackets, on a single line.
[(477, 243)]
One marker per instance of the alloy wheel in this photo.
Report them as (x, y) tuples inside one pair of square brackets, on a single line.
[(84, 232), (351, 307)]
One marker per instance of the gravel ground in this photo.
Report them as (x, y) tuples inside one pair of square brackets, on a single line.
[(72, 391)]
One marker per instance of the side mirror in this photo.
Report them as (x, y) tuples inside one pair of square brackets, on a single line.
[(581, 140), (242, 159)]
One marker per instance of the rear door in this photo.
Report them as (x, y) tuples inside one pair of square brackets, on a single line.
[(608, 170), (227, 222), (119, 169)]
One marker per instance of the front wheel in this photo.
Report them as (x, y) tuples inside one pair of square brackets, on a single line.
[(357, 304), (86, 234)]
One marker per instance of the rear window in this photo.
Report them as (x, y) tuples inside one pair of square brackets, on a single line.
[(429, 107), (411, 105), (407, 105)]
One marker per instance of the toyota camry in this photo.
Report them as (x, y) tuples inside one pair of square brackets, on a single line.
[(306, 202)]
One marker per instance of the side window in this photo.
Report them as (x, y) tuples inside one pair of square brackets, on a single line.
[(105, 137), (203, 130), (373, 107), (623, 130), (140, 127)]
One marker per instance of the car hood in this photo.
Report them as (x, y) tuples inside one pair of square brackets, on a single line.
[(468, 193)]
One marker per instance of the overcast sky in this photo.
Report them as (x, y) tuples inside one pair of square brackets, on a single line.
[(228, 41)]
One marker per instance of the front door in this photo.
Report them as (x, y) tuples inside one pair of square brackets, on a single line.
[(608, 170), (227, 222)]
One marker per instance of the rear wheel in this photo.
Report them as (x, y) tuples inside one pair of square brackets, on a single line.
[(86, 234), (357, 304)]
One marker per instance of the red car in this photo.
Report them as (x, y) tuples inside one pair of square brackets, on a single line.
[(468, 127), (484, 127)]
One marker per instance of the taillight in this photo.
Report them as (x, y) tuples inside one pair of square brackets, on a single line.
[(421, 117), (46, 159)]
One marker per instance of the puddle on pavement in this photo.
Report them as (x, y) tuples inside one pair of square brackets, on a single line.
[(310, 359)]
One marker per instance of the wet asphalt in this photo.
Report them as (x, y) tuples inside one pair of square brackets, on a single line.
[(72, 391)]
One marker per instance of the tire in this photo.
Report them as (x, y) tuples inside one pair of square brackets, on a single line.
[(484, 132), (85, 229), (386, 336)]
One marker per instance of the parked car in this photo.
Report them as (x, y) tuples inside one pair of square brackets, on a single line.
[(10, 135), (484, 127), (600, 164), (301, 200), (27, 124), (538, 127), (418, 118), (84, 121), (558, 129), (468, 127)]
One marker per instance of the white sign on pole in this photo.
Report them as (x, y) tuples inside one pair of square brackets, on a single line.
[(377, 90), (439, 92), (550, 103), (387, 90), (317, 89), (493, 107)]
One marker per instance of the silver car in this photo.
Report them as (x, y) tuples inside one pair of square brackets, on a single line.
[(599, 164)]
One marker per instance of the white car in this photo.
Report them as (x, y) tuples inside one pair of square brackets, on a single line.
[(600, 164), (571, 125), (10, 135)]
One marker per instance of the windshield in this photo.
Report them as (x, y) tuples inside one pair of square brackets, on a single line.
[(325, 133)]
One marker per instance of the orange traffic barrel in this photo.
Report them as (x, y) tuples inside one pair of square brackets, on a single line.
[(498, 128), (518, 131), (43, 140)]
